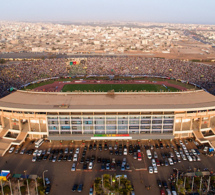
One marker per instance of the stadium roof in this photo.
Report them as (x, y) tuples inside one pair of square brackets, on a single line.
[(21, 100)]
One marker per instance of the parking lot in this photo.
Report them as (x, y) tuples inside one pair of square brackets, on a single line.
[(105, 157)]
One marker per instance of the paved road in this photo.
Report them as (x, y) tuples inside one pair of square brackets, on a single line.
[(62, 178)]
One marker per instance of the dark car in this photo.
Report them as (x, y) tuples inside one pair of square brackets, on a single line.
[(162, 163), (82, 160), (117, 152), (156, 146), (45, 157), (100, 147), (51, 157), (60, 158), (159, 183), (118, 163), (80, 187), (112, 166), (165, 184), (103, 166), (48, 188), (91, 147), (94, 147), (74, 188), (65, 157), (167, 146), (85, 166), (61, 151), (99, 160), (111, 152), (85, 148), (69, 158), (105, 147)]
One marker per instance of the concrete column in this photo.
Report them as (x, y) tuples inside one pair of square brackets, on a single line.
[(116, 124), (181, 124), (191, 123), (39, 126), (200, 123), (128, 123), (2, 121), (209, 121), (20, 125), (29, 124), (10, 121)]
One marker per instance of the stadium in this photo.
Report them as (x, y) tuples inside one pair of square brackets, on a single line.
[(109, 115)]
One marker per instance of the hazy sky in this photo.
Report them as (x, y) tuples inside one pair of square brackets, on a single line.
[(177, 11)]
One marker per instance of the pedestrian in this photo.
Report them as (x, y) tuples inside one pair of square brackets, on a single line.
[(6, 162)]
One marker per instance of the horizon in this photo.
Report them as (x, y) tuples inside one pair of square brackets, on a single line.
[(182, 12)]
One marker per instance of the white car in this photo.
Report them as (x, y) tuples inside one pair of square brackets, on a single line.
[(66, 150), (150, 170), (154, 163), (125, 151), (184, 157), (155, 154), (155, 169), (198, 158), (75, 157), (115, 147), (194, 158), (35, 152), (73, 167), (39, 153), (196, 143), (34, 159), (11, 150), (170, 161), (77, 150), (205, 149), (189, 158), (178, 155), (90, 166), (23, 151)]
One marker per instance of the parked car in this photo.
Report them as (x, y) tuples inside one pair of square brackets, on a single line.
[(80, 187), (11, 150), (48, 188), (73, 167), (150, 170), (74, 188), (47, 181), (90, 166), (75, 157)]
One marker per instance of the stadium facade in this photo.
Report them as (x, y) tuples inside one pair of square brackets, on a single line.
[(102, 116)]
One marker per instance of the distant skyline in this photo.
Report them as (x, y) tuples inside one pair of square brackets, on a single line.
[(166, 11)]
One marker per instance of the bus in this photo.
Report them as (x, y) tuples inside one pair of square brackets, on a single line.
[(38, 143)]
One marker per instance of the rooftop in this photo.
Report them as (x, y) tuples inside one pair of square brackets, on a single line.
[(22, 100)]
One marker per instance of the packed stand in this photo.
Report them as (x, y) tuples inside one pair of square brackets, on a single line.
[(16, 75)]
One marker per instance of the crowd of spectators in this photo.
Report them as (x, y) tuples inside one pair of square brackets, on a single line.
[(16, 75)]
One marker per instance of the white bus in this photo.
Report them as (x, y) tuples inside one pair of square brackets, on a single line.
[(149, 154), (38, 143)]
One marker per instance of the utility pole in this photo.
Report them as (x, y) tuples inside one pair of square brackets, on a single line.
[(19, 187), (2, 190), (44, 178), (11, 192), (192, 183), (200, 188), (209, 180), (184, 181), (27, 182), (36, 186)]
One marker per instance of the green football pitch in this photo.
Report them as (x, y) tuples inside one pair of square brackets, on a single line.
[(117, 87)]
